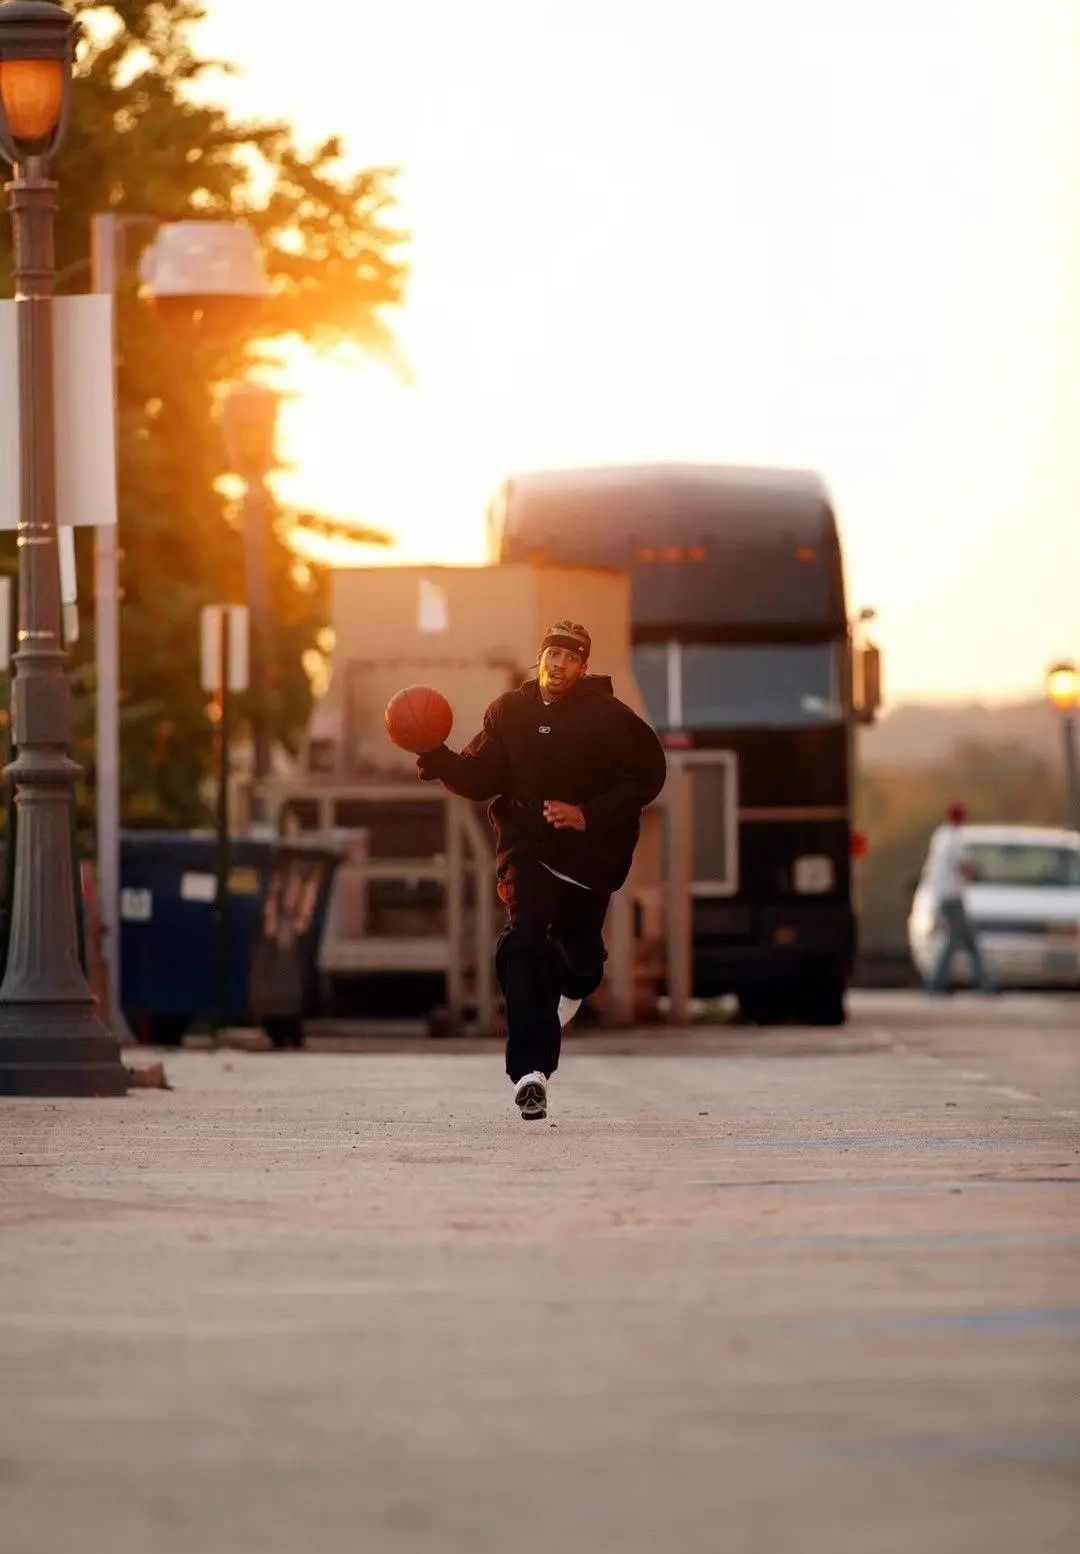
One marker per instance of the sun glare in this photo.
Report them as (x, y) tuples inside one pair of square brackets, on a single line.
[(364, 449)]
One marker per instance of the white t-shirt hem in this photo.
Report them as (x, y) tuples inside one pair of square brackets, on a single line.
[(565, 877)]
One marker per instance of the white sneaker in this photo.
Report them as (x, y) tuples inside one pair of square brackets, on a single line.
[(530, 1097), (568, 1008)]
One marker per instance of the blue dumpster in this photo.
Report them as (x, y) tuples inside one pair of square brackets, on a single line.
[(169, 935)]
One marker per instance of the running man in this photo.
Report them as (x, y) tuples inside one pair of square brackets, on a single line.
[(570, 769)]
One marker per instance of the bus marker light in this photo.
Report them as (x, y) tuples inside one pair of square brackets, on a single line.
[(814, 875)]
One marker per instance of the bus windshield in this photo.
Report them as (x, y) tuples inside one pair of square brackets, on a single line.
[(696, 685)]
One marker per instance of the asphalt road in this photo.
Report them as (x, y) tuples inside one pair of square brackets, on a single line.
[(746, 1292)]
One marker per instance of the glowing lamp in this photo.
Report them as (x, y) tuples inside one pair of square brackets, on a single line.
[(33, 92), (37, 50), (1063, 686)]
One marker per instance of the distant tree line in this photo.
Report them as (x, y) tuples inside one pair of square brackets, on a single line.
[(898, 809)]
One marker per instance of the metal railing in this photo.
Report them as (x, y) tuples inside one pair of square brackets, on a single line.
[(454, 936)]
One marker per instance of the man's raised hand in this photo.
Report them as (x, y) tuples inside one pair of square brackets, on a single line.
[(564, 817)]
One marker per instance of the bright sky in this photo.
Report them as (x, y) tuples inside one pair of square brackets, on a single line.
[(844, 235)]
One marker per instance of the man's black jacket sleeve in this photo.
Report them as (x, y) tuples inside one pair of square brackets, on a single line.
[(642, 775), (481, 771)]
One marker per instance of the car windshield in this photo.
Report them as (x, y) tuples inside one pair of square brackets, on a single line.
[(1028, 864), (740, 685)]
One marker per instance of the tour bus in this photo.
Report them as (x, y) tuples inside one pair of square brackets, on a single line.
[(747, 662)]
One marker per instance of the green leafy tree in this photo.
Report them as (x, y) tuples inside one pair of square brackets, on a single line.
[(143, 142)]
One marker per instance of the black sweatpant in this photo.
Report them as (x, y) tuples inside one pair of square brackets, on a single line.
[(552, 944)]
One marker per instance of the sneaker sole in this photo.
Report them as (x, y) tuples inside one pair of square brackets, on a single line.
[(532, 1104)]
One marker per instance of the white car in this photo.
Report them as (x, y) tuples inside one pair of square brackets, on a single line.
[(1022, 900)]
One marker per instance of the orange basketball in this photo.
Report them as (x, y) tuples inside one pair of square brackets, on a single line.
[(419, 719)]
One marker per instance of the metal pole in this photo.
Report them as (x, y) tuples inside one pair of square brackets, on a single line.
[(221, 898), (678, 800), (620, 976), (484, 948), (51, 1041), (256, 517), (1072, 769), (455, 911), (104, 276)]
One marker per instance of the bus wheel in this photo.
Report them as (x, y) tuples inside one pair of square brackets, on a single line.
[(761, 1006), (823, 1002)]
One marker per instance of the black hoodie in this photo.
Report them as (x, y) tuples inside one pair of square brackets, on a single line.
[(588, 749)]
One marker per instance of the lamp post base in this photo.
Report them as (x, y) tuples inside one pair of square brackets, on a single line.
[(60, 1049)]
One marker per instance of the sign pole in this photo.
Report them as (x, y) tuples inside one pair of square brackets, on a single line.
[(1072, 770), (678, 799), (224, 670), (103, 278), (223, 848)]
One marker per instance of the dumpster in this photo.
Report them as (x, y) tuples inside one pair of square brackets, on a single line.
[(275, 908)]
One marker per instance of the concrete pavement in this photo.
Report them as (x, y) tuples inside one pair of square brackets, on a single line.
[(748, 1291)]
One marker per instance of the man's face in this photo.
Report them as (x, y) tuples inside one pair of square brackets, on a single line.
[(560, 671)]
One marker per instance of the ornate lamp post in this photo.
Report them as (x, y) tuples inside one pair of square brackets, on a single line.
[(51, 1042), (1063, 690)]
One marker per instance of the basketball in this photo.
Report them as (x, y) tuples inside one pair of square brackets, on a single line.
[(418, 719)]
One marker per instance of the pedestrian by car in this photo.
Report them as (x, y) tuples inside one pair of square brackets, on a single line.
[(951, 872)]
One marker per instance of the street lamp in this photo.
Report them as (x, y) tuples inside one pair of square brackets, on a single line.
[(51, 1041), (1063, 690), (206, 269), (249, 419), (196, 269)]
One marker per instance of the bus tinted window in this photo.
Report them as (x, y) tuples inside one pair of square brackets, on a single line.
[(760, 687)]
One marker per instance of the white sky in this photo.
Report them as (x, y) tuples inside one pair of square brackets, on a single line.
[(842, 235)]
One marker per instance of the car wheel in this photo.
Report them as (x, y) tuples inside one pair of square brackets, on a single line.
[(761, 1006)]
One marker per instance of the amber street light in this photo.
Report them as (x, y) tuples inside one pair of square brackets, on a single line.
[(51, 1041), (1063, 686), (1063, 690)]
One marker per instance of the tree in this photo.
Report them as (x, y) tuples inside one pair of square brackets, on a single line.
[(140, 142)]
